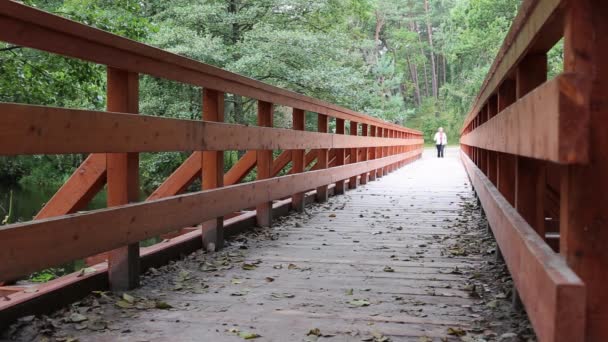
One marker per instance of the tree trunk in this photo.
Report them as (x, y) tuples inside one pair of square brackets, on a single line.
[(414, 74), (379, 25), (414, 25), (429, 28), (445, 71)]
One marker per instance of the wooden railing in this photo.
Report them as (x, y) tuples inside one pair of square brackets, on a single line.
[(115, 137), (535, 150)]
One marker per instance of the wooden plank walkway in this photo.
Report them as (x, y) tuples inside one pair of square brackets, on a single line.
[(374, 261)]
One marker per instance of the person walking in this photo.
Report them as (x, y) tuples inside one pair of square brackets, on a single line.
[(441, 139)]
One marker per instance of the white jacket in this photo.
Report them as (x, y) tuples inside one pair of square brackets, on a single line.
[(441, 138)]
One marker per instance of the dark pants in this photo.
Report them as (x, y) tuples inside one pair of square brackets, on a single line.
[(440, 151)]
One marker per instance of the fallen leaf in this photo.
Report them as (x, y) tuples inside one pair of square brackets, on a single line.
[(456, 331), (282, 295), (128, 298), (124, 304), (349, 292), (249, 267), (388, 269), (86, 270), (269, 279), (77, 318), (81, 326), (96, 325), (248, 335), (315, 332), (162, 305), (359, 302)]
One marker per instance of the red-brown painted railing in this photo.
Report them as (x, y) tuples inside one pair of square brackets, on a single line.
[(115, 137), (535, 151)]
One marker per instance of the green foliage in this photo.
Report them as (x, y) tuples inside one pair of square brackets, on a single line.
[(46, 275)]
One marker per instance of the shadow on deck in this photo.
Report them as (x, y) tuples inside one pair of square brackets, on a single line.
[(403, 258)]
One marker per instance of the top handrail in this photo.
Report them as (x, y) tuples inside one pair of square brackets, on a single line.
[(26, 26)]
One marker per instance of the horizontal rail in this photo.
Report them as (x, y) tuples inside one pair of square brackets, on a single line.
[(26, 129), (554, 296), (550, 123), (53, 241), (537, 27), (29, 27)]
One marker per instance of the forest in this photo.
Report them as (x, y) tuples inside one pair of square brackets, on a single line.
[(419, 63)]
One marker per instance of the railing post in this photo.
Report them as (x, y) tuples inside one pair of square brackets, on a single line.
[(354, 155), (298, 162), (365, 155), (385, 151), (373, 151), (340, 156), (403, 149), (213, 170), (322, 157), (584, 199), (391, 149), (380, 151), (531, 173), (264, 164), (123, 178)]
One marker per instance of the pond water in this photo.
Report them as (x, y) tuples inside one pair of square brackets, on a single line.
[(27, 201)]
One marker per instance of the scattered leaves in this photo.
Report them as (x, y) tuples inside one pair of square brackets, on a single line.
[(162, 305), (86, 270), (456, 331), (315, 332), (248, 335), (249, 267), (376, 337), (124, 304), (359, 302), (128, 298), (282, 295), (77, 318)]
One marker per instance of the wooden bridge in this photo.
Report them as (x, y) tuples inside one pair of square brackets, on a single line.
[(533, 150)]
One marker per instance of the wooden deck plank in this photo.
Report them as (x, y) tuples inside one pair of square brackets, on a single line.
[(420, 297)]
